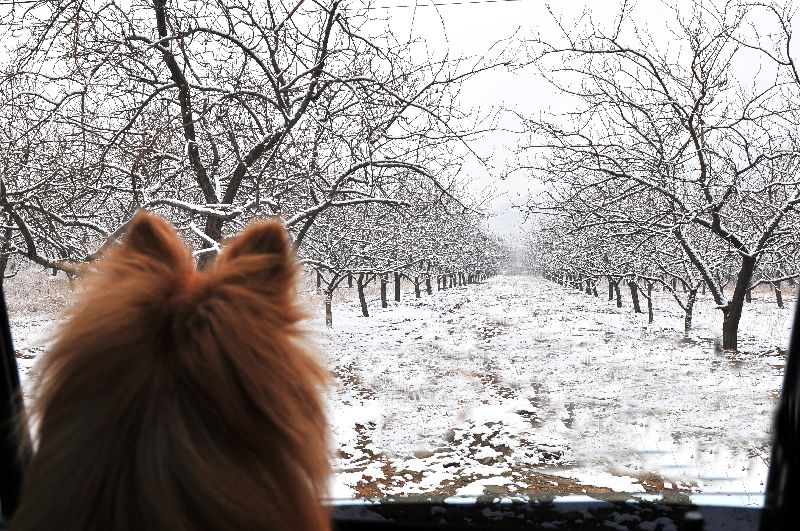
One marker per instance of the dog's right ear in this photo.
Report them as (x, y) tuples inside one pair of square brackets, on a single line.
[(267, 237), (262, 252), (151, 237)]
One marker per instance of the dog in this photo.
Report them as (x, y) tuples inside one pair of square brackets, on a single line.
[(178, 399)]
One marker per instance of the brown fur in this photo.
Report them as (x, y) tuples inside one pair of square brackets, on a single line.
[(181, 399)]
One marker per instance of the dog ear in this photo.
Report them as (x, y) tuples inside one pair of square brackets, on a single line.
[(152, 237), (261, 257), (266, 238)]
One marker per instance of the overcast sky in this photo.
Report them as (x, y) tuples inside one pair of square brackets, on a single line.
[(477, 29), (473, 29)]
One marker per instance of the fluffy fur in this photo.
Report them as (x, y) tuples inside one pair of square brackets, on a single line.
[(177, 399)]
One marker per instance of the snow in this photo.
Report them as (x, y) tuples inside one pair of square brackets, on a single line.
[(728, 499), (487, 385), (477, 487), (519, 385), (574, 501), (617, 483), (31, 335)]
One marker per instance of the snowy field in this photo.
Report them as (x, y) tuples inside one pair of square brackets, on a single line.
[(518, 384)]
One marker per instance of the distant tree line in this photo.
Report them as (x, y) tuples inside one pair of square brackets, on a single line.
[(433, 245)]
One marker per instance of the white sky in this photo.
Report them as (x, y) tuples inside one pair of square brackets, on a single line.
[(473, 29)]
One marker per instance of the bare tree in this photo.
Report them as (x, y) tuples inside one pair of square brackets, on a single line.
[(212, 114), (700, 155)]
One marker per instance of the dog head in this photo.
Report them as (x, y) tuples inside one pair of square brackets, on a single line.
[(181, 399)]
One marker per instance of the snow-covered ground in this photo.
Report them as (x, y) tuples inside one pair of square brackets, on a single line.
[(518, 384)]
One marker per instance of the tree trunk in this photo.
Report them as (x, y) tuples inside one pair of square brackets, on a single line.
[(397, 286), (3, 265), (416, 287), (4, 256), (428, 287), (361, 298), (214, 225), (730, 322), (610, 289), (778, 294), (319, 280), (649, 302), (328, 309), (749, 296), (384, 281), (687, 318), (594, 289), (349, 279), (618, 294), (588, 286), (635, 296)]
